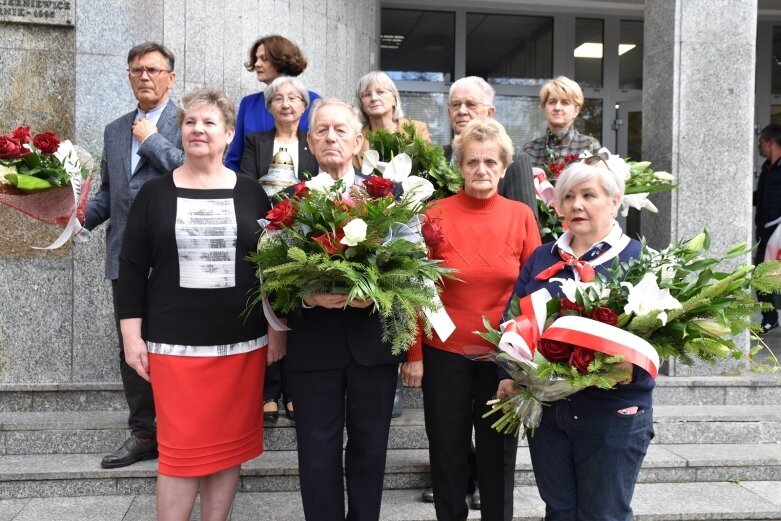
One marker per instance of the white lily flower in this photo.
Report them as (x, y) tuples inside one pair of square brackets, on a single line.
[(646, 298), (321, 182), (354, 232), (570, 287), (638, 201), (664, 176), (417, 188), (399, 168), (370, 162)]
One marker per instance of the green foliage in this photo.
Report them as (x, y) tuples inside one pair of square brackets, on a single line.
[(428, 160)]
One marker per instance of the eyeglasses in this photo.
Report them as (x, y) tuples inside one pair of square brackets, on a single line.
[(290, 99), (471, 105), (379, 92), (153, 72)]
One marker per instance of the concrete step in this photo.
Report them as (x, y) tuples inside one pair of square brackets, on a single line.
[(104, 431), (652, 502), (275, 471), (750, 389)]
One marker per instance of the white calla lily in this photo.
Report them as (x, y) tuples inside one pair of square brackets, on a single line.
[(646, 298), (354, 232), (370, 162), (664, 176), (417, 188), (399, 168), (570, 287), (639, 201)]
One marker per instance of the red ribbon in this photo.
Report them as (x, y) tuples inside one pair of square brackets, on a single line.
[(585, 270)]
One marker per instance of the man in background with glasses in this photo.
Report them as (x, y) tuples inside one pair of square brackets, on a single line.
[(140, 145), (472, 97)]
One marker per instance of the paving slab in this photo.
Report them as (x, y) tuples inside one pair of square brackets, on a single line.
[(76, 509)]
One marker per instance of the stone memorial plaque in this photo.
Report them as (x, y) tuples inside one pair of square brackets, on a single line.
[(39, 12)]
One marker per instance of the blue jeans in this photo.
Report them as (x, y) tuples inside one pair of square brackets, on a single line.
[(586, 468)]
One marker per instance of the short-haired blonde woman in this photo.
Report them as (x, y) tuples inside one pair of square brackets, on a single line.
[(183, 283), (562, 100), (269, 57), (486, 238), (589, 447)]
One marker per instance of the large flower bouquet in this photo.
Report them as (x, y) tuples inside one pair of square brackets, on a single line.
[(396, 155), (45, 178), (639, 178), (672, 303), (358, 240)]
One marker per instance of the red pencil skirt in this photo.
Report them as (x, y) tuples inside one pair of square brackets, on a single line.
[(209, 411)]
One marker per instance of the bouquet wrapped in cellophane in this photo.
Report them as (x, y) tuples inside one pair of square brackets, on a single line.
[(45, 178), (672, 303), (361, 241)]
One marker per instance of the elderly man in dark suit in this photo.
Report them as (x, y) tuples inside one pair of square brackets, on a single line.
[(140, 145), (339, 369), (472, 97)]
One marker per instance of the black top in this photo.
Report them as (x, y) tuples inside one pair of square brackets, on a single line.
[(150, 278)]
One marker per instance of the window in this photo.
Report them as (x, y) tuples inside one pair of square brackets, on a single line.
[(630, 55), (589, 121), (509, 50), (589, 39), (418, 45)]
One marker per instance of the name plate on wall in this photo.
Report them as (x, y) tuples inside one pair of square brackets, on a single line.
[(39, 12)]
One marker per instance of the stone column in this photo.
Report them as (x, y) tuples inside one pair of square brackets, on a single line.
[(698, 123), (56, 319)]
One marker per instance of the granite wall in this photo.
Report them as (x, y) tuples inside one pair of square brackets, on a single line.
[(698, 123), (56, 321)]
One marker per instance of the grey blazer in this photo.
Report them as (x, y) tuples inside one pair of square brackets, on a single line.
[(160, 153), (518, 181)]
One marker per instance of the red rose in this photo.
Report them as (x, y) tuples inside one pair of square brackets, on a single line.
[(568, 305), (282, 215), (555, 169), (22, 134), (11, 148), (569, 158), (329, 241), (432, 233), (300, 190), (46, 142), (604, 315), (553, 350), (378, 186), (581, 358)]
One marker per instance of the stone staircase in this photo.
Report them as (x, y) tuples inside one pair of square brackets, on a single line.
[(716, 455)]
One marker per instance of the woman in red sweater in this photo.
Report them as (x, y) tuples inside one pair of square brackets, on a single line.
[(486, 238)]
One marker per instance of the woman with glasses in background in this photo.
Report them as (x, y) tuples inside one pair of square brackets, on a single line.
[(287, 100), (269, 57)]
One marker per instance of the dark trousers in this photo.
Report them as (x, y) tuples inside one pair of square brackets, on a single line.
[(363, 398), (586, 468), (770, 316), (455, 390), (138, 392), (275, 386)]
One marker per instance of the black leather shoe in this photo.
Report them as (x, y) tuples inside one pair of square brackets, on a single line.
[(132, 451), (474, 499), (289, 412), (398, 399), (271, 416), (428, 495)]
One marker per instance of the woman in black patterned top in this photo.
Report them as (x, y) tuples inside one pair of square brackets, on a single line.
[(561, 99), (184, 282)]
